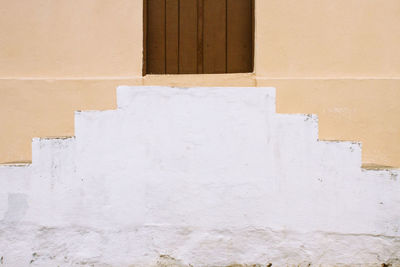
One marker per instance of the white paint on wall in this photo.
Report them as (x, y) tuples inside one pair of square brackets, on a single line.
[(200, 176)]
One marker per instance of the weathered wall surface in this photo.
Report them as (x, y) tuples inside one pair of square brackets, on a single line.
[(32, 108), (338, 59), (366, 110), (200, 176), (60, 56), (299, 44)]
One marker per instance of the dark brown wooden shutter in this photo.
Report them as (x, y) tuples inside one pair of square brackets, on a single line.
[(198, 36)]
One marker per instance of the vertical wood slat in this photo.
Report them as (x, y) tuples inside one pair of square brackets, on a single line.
[(144, 66), (200, 41), (188, 36), (253, 25), (156, 36), (214, 50), (239, 35), (172, 36)]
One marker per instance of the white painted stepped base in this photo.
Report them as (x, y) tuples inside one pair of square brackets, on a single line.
[(200, 176)]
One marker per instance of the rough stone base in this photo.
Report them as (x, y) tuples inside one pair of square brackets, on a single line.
[(26, 244)]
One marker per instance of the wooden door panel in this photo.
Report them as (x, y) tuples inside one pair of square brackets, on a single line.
[(198, 36)]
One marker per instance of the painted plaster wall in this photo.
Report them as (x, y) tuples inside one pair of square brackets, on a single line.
[(335, 39), (199, 176), (64, 39), (54, 52)]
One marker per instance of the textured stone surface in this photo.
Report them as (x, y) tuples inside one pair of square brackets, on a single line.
[(201, 177)]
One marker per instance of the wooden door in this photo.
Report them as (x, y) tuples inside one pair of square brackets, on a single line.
[(198, 36)]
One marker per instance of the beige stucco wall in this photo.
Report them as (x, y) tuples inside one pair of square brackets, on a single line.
[(338, 59), (63, 38), (325, 38)]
